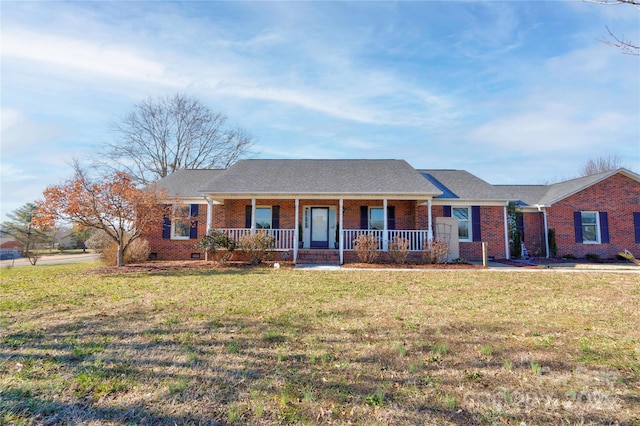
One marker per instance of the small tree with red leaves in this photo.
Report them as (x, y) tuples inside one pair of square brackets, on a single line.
[(112, 204)]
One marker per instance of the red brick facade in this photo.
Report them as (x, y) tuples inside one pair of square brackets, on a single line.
[(619, 197), (408, 215)]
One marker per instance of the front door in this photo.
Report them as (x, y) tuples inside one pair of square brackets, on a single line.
[(320, 227)]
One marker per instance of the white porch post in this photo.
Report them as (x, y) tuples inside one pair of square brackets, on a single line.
[(546, 233), (209, 213), (429, 223), (506, 234), (385, 230), (295, 232), (253, 216), (342, 233)]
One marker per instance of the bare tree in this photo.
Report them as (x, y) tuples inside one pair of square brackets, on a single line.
[(165, 134), (625, 45), (600, 165)]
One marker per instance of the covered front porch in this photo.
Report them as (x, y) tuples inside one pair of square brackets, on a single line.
[(333, 225)]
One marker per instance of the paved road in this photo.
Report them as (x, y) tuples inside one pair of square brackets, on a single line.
[(50, 259)]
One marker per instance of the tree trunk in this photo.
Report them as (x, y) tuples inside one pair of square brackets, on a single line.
[(120, 255)]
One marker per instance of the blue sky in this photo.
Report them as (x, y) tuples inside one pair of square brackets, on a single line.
[(513, 91)]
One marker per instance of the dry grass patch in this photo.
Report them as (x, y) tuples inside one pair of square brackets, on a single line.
[(263, 346)]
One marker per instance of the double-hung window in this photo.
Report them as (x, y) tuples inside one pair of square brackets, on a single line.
[(263, 218), (590, 227), (463, 214), (181, 222), (376, 218)]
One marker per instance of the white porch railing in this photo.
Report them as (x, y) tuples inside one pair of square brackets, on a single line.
[(284, 238), (416, 238)]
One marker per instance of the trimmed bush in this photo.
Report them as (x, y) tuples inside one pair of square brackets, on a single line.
[(436, 252), (399, 250), (366, 247), (256, 246)]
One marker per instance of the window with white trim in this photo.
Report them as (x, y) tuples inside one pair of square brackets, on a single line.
[(263, 218), (376, 218), (590, 227), (181, 222), (463, 214)]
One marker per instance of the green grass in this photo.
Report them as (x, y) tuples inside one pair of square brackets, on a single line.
[(247, 346)]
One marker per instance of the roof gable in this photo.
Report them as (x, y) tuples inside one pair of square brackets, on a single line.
[(186, 183)]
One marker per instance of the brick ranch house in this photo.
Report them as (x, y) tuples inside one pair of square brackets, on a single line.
[(316, 208)]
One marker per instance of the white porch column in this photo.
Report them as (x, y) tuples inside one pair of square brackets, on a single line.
[(342, 233), (296, 233), (506, 234), (546, 233), (209, 213), (253, 216), (429, 223), (385, 230)]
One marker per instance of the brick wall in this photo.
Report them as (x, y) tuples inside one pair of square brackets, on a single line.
[(534, 233), (168, 249), (619, 196)]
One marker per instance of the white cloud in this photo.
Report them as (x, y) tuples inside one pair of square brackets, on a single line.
[(97, 58)]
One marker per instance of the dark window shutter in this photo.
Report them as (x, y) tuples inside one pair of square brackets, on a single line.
[(193, 231), (391, 217), (476, 223), (166, 227), (604, 228), (247, 217), (446, 211), (520, 226), (577, 224), (364, 217), (636, 224), (275, 217)]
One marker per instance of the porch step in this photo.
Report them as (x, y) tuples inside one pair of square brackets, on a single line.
[(319, 256)]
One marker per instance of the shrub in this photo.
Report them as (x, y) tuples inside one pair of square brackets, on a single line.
[(593, 257), (399, 250), (459, 261), (435, 252), (137, 252), (218, 244), (553, 248), (569, 256), (256, 246), (366, 247)]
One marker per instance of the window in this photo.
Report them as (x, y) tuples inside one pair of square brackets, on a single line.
[(462, 214), (590, 227), (263, 217), (181, 223), (376, 218)]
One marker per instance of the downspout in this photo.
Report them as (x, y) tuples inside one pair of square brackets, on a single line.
[(506, 234), (546, 228)]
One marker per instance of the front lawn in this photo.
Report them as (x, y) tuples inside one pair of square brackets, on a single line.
[(264, 346)]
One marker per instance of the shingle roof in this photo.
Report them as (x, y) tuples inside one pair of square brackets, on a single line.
[(546, 195), (321, 177), (187, 183), (523, 195), (460, 184)]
